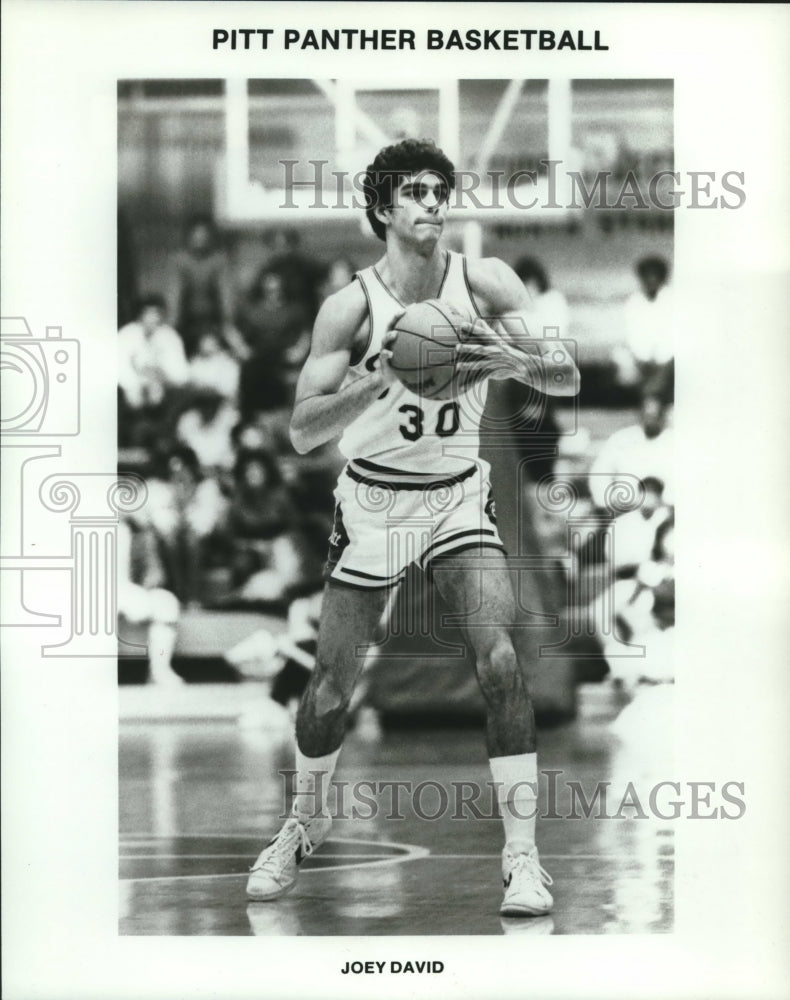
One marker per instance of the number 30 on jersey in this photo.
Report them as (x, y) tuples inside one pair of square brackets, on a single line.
[(413, 426)]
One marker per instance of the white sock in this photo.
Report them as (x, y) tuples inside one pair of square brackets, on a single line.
[(161, 643), (516, 779), (313, 778)]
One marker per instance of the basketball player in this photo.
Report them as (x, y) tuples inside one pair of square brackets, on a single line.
[(157, 608), (409, 446)]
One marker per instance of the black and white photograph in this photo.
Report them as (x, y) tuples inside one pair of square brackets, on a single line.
[(371, 554), (361, 366)]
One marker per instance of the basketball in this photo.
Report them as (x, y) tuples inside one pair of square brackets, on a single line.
[(423, 353)]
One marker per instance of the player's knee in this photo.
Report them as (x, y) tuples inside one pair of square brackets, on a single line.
[(164, 606), (498, 670)]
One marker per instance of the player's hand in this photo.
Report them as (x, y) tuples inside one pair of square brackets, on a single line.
[(475, 330), (496, 360), (482, 353)]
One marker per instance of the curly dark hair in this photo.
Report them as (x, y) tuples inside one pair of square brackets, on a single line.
[(168, 451), (248, 457), (655, 264), (392, 164), (151, 300), (661, 533), (530, 269)]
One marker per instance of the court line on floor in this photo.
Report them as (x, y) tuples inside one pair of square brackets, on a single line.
[(418, 852), (246, 854), (384, 863), (134, 839), (543, 857), (408, 852), (141, 840), (322, 854)]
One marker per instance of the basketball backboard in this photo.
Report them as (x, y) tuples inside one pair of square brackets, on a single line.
[(296, 148)]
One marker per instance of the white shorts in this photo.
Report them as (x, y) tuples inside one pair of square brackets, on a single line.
[(386, 519)]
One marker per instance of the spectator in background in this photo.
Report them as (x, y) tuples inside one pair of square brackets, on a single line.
[(643, 610), (548, 310), (151, 364), (300, 273), (203, 288), (272, 325), (635, 531), (205, 426), (258, 524), (658, 573), (644, 450), (645, 616), (548, 306), (147, 602), (277, 550), (293, 361), (261, 507), (183, 511), (339, 274), (214, 368), (263, 432), (127, 271), (647, 357)]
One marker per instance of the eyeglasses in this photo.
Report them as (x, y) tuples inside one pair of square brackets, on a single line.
[(425, 194)]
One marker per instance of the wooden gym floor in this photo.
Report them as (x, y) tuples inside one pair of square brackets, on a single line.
[(198, 800)]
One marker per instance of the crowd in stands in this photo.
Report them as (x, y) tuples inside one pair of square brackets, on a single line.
[(638, 579), (234, 519), (619, 561), (646, 358)]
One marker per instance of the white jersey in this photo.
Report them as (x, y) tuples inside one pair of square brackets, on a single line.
[(401, 430)]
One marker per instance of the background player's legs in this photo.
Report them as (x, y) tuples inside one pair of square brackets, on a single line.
[(162, 636), (349, 619), (161, 610)]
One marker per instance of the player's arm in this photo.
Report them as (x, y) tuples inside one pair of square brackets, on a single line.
[(510, 349), (322, 410)]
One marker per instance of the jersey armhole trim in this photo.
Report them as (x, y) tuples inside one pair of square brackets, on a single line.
[(446, 273), (387, 288), (357, 356), (469, 289)]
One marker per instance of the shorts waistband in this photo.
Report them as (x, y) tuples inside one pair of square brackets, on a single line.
[(371, 474)]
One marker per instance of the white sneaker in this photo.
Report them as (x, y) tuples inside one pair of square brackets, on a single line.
[(525, 881), (274, 873), (518, 925)]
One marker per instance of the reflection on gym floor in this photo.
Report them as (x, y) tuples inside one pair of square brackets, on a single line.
[(198, 802)]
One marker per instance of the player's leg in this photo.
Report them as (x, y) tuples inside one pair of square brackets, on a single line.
[(349, 618), (162, 634), (476, 585), (161, 610)]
